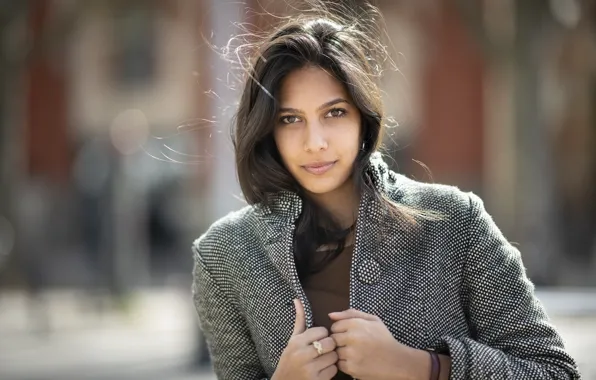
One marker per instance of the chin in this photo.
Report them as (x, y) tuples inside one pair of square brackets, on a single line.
[(320, 190), (320, 187)]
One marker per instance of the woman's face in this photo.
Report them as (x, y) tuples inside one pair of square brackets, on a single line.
[(317, 130)]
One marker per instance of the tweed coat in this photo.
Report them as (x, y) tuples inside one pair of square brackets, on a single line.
[(453, 285)]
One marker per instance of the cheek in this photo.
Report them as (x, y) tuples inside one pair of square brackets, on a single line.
[(348, 138), (285, 144)]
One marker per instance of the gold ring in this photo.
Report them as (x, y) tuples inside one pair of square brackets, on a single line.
[(318, 346)]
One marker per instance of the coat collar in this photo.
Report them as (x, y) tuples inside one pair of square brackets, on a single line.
[(276, 223), (285, 207)]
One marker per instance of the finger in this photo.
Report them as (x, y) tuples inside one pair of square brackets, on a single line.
[(315, 333), (352, 313), (345, 325), (342, 353), (342, 365), (341, 339), (327, 344), (300, 322), (325, 360), (329, 372)]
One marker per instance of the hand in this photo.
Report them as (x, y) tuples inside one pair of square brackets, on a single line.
[(300, 359), (368, 351)]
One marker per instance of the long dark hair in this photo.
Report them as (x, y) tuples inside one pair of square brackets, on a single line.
[(344, 49)]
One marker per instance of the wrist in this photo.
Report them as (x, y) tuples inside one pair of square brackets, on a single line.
[(421, 365)]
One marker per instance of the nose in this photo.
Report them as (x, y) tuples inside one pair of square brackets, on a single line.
[(315, 139)]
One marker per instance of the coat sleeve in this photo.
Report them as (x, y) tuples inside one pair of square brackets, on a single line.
[(513, 338), (233, 353)]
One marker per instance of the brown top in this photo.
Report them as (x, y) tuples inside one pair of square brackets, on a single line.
[(329, 291)]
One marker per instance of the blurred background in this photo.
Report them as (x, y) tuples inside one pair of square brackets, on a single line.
[(115, 155)]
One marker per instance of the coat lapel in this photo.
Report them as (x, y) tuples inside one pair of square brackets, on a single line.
[(386, 262), (372, 229), (277, 232)]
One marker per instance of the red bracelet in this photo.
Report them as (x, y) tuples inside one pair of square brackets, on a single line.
[(435, 369)]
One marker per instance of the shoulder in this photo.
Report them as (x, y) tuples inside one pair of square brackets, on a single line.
[(461, 214), (442, 198), (227, 235), (415, 194)]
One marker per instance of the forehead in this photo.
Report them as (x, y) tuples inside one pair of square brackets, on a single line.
[(310, 86)]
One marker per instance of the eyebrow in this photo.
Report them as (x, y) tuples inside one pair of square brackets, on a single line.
[(325, 105)]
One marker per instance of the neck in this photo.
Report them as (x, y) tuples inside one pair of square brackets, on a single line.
[(341, 203)]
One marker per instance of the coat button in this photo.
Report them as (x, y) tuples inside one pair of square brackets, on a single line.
[(369, 272)]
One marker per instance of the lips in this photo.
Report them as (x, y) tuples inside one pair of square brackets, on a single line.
[(318, 168)]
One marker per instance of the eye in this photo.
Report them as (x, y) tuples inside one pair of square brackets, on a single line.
[(336, 112), (289, 119)]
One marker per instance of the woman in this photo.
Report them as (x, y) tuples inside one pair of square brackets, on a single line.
[(340, 268)]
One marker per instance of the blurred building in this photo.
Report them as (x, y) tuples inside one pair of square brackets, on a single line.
[(117, 124), (112, 135)]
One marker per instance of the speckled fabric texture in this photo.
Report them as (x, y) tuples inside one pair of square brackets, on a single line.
[(454, 285)]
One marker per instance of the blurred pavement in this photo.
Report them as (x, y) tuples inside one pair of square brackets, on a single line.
[(149, 336), (153, 336)]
